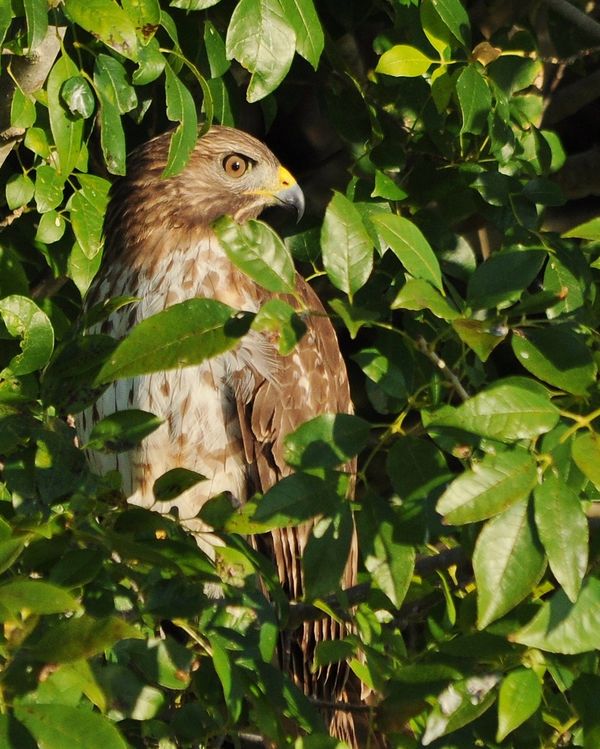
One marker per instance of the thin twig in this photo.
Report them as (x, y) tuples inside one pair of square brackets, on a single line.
[(423, 347)]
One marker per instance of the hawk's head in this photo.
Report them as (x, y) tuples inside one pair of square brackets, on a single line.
[(229, 173)]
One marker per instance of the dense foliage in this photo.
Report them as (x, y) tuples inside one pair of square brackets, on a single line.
[(468, 323)]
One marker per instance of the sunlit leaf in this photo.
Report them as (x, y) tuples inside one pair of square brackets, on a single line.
[(122, 430), (519, 697), (508, 562), (25, 320), (403, 60)]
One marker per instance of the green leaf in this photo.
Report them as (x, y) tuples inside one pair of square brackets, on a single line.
[(77, 94), (410, 246), (386, 187), (174, 482), (556, 355), (87, 207), (259, 252), (19, 191), (519, 697), (326, 441), (455, 18), (437, 32), (180, 336), (502, 278), (108, 22), (460, 704), (59, 726), (181, 109), (404, 61), (66, 130), (326, 553), (564, 627), (114, 83), (416, 467), (25, 320), (508, 562), (297, 498), (36, 15), (261, 39), (77, 638), (474, 99), (508, 410), (146, 16), (276, 316), (22, 596), (482, 336), (489, 487), (346, 246), (215, 50), (588, 230), (563, 528), (193, 4), (586, 454), (82, 269), (310, 40), (22, 110), (49, 186), (151, 64), (417, 294), (390, 562), (122, 430)]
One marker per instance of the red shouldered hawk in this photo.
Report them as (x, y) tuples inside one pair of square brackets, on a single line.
[(227, 417)]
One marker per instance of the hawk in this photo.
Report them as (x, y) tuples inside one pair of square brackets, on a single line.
[(227, 417)]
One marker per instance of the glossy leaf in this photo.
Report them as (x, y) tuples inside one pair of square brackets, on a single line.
[(48, 188), (19, 191), (519, 697), (481, 336), (460, 704), (108, 22), (78, 96), (58, 726), (556, 355), (561, 626), (261, 39), (174, 482), (280, 318), (326, 441), (474, 98), (87, 207), (302, 16), (586, 454), (25, 320), (417, 294), (563, 529), (182, 335), (489, 487), (36, 15), (402, 60), (346, 246), (35, 597), (508, 562), (503, 277), (73, 639), (259, 252), (454, 15), (326, 553), (181, 109), (66, 130), (296, 498), (122, 431), (412, 249)]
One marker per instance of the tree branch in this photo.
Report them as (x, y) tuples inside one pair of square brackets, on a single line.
[(575, 16)]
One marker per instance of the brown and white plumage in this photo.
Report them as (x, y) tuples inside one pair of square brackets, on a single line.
[(227, 417)]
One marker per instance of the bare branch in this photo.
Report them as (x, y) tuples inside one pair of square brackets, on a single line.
[(443, 367), (575, 16)]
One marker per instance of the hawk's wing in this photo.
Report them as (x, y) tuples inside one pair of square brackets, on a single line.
[(312, 380)]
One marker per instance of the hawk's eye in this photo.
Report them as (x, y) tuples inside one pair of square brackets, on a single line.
[(235, 165)]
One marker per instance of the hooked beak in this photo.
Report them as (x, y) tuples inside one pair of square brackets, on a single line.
[(289, 193)]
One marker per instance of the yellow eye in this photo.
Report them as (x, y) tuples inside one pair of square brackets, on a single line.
[(235, 165)]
